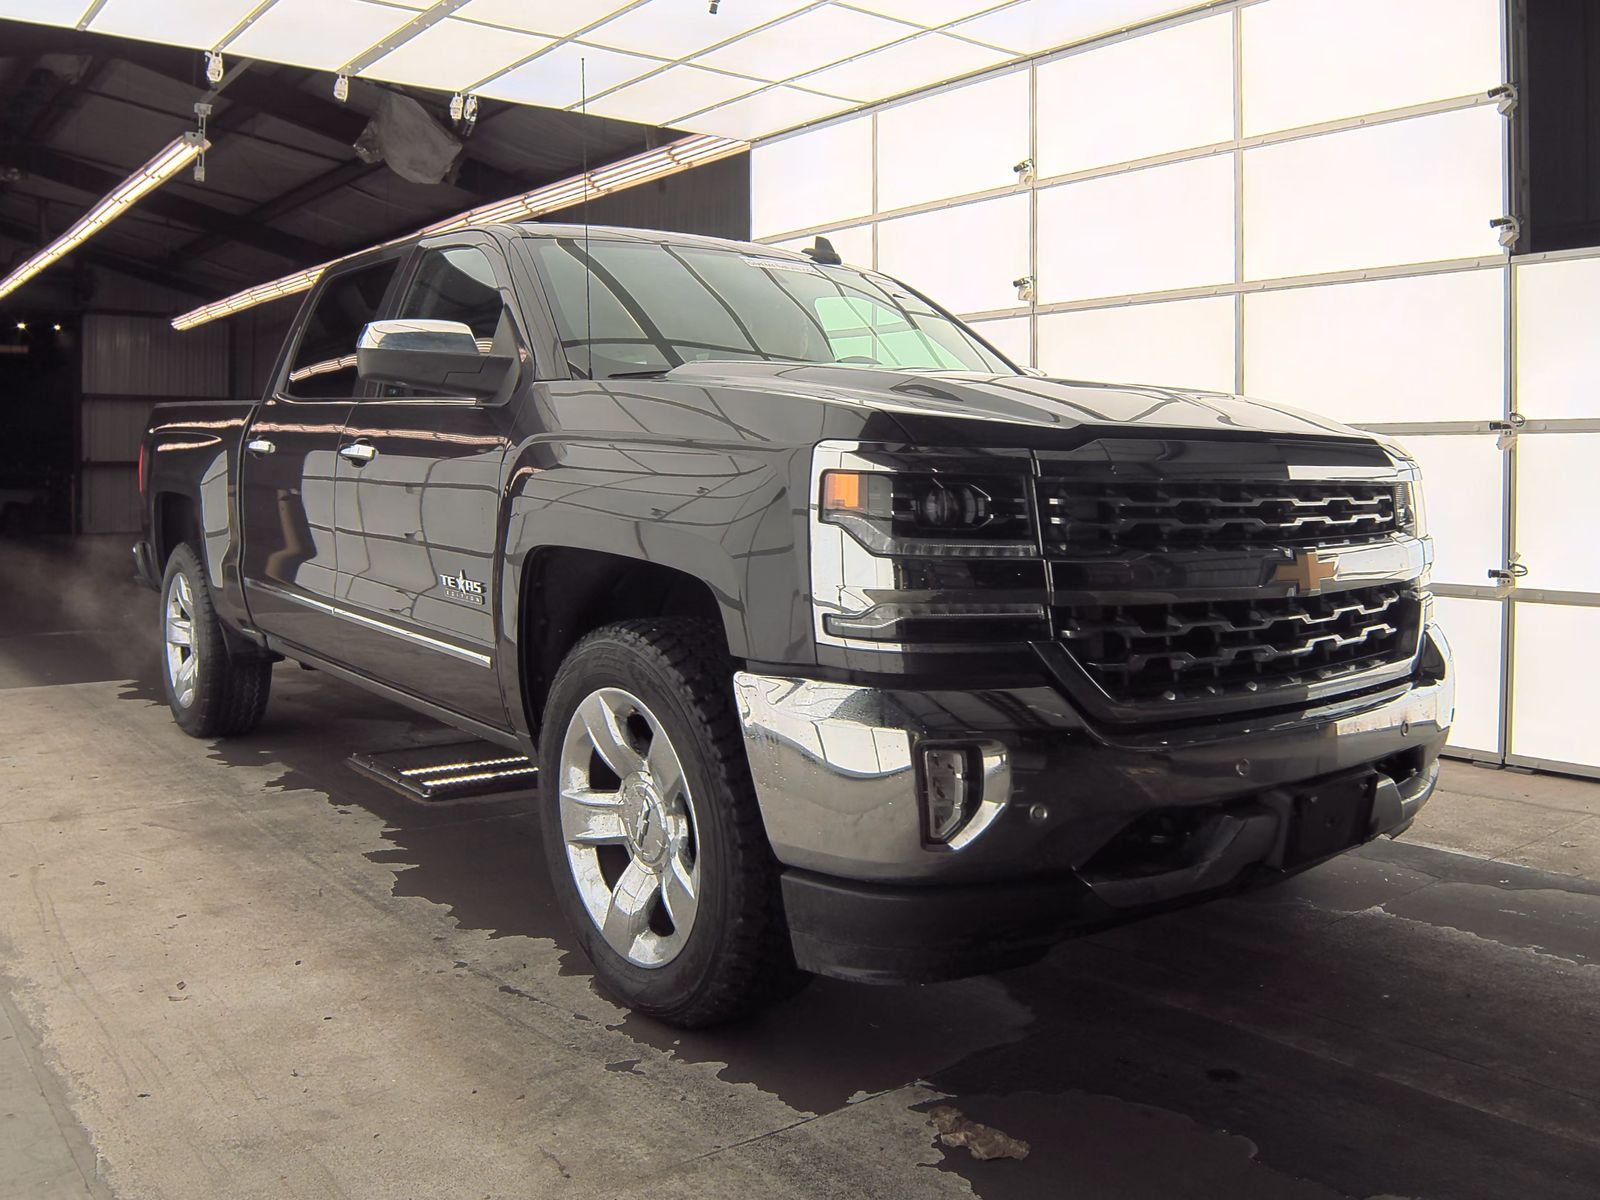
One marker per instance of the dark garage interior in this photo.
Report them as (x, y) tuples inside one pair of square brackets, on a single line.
[(291, 956)]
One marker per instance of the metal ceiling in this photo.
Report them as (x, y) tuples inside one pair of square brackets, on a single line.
[(284, 187)]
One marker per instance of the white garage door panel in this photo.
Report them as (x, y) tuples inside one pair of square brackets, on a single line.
[(1187, 343), (1010, 336), (1425, 349), (1147, 231), (1557, 652), (903, 67), (1473, 628), (1558, 349), (1463, 482), (1309, 61), (1556, 510), (812, 178), (953, 143), (963, 258), (1414, 191), (1172, 90)]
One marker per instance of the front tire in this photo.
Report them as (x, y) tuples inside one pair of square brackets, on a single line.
[(211, 693), (651, 828)]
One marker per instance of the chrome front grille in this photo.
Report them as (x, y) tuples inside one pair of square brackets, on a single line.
[(1213, 648), (1094, 517)]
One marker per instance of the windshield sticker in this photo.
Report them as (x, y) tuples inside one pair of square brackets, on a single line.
[(781, 264)]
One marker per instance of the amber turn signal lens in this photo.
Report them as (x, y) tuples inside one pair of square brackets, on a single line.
[(841, 492)]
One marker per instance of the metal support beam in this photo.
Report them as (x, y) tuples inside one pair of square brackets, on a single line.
[(287, 202), (97, 181)]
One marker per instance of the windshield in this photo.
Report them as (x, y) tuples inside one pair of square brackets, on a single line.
[(647, 307)]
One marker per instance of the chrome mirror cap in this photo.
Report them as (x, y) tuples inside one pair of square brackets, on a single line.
[(419, 333)]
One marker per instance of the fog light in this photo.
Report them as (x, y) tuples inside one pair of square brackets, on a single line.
[(949, 789)]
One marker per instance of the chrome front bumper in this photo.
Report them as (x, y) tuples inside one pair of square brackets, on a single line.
[(867, 898), (834, 769)]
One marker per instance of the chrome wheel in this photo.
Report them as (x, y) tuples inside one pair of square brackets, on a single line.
[(183, 663), (627, 818)]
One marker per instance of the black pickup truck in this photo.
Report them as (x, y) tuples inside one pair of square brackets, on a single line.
[(841, 644)]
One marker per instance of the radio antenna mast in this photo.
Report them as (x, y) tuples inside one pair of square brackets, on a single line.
[(588, 263)]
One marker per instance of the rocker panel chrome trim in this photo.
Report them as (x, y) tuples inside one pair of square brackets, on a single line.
[(344, 614)]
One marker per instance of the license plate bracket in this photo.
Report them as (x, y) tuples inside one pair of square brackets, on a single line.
[(1329, 817)]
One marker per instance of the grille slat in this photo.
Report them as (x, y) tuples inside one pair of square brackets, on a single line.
[(1152, 652), (1091, 517)]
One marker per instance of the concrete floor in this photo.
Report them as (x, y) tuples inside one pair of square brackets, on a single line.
[(241, 970)]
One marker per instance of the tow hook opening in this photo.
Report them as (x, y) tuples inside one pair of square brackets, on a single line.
[(1403, 767), (1159, 842)]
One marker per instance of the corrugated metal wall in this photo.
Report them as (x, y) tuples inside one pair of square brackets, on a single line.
[(130, 364), (713, 200), (258, 335), (145, 356)]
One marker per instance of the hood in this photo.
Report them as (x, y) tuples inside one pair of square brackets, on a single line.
[(1029, 404)]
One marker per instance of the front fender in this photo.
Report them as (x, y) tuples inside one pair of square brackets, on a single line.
[(724, 514)]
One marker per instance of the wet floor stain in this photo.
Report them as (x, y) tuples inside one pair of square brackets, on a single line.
[(877, 1039), (1081, 1144)]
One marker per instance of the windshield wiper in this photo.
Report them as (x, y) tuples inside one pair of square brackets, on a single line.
[(653, 373)]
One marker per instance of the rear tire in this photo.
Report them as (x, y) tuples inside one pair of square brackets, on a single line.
[(651, 828), (211, 692)]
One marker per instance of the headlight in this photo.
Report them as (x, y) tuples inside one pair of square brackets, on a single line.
[(933, 549), (1406, 516), (1410, 516), (930, 514)]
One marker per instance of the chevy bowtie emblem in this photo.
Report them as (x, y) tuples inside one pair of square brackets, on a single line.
[(1307, 572)]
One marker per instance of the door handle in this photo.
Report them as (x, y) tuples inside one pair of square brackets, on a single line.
[(360, 453), (259, 446)]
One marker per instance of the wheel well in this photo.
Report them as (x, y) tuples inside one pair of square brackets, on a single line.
[(568, 593), (176, 521)]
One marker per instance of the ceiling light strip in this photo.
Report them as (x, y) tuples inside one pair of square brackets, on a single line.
[(682, 155), (168, 161)]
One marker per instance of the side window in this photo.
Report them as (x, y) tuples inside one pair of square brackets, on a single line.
[(324, 366), (459, 284)]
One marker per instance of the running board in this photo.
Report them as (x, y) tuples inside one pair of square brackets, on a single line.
[(444, 774)]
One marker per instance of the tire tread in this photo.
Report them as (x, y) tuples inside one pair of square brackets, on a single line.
[(231, 693), (756, 964)]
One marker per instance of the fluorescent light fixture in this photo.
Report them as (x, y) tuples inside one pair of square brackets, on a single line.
[(694, 151), (176, 155)]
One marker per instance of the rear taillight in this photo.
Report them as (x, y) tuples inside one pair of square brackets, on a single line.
[(141, 468)]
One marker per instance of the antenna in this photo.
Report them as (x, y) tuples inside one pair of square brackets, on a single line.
[(822, 252), (588, 263)]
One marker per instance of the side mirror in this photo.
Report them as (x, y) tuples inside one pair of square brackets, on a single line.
[(440, 357)]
